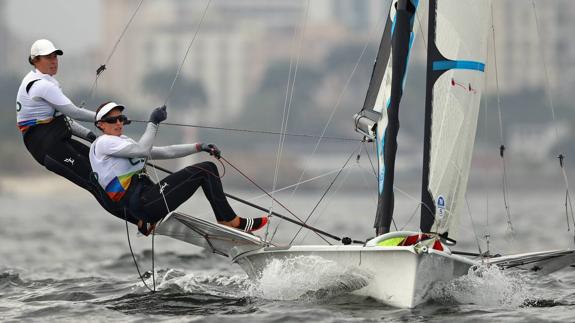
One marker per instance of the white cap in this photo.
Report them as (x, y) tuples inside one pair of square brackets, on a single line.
[(107, 108), (43, 47)]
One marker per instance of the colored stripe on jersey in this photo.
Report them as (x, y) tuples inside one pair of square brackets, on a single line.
[(117, 188), (24, 126)]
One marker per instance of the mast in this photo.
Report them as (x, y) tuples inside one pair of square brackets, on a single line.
[(401, 42), (427, 204), (384, 92)]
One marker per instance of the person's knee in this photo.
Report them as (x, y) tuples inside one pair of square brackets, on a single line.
[(208, 166)]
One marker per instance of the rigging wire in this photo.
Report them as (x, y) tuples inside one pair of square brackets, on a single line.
[(561, 156), (373, 173), (370, 161), (99, 72), (329, 201), (504, 179), (336, 107), (487, 234), (268, 194), (345, 240), (170, 91), (187, 52), (102, 67), (261, 195), (473, 226), (149, 153), (165, 102), (326, 191), (265, 132), (290, 89)]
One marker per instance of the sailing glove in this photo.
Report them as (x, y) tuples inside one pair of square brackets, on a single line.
[(158, 115), (212, 150)]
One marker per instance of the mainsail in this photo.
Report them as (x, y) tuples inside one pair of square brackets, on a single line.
[(379, 117), (456, 57)]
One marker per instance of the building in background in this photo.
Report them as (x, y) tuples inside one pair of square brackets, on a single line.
[(9, 58), (523, 52), (236, 44)]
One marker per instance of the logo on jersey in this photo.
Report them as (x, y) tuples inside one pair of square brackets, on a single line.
[(18, 106), (69, 160), (136, 161), (440, 207)]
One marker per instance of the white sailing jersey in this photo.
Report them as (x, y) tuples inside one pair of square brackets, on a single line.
[(35, 105), (114, 173)]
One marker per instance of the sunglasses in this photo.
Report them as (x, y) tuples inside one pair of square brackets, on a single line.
[(122, 118)]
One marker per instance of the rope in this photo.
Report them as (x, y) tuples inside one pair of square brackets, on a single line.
[(102, 67), (560, 156), (250, 131), (149, 154), (505, 183), (134, 257), (268, 194), (99, 72)]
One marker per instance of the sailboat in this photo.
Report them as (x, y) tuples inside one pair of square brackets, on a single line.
[(402, 265)]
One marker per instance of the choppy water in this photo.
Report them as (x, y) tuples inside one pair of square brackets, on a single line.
[(63, 259)]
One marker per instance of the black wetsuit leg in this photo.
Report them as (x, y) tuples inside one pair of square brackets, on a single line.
[(52, 146), (179, 187)]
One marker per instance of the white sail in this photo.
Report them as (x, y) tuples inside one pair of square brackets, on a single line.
[(461, 38)]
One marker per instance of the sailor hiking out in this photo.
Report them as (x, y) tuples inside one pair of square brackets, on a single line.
[(118, 162), (45, 117)]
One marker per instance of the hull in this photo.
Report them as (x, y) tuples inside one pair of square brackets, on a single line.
[(398, 276)]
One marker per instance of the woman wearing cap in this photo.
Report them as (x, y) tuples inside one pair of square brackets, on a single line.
[(119, 164), (44, 116)]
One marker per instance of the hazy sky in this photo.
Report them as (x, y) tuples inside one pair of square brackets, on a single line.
[(73, 25)]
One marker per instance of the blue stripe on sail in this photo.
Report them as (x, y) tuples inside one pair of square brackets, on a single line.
[(415, 3), (381, 176), (381, 143), (461, 65)]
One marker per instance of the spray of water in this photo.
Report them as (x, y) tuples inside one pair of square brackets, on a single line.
[(486, 286), (214, 284), (306, 277)]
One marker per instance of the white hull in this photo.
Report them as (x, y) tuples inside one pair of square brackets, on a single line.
[(400, 276)]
